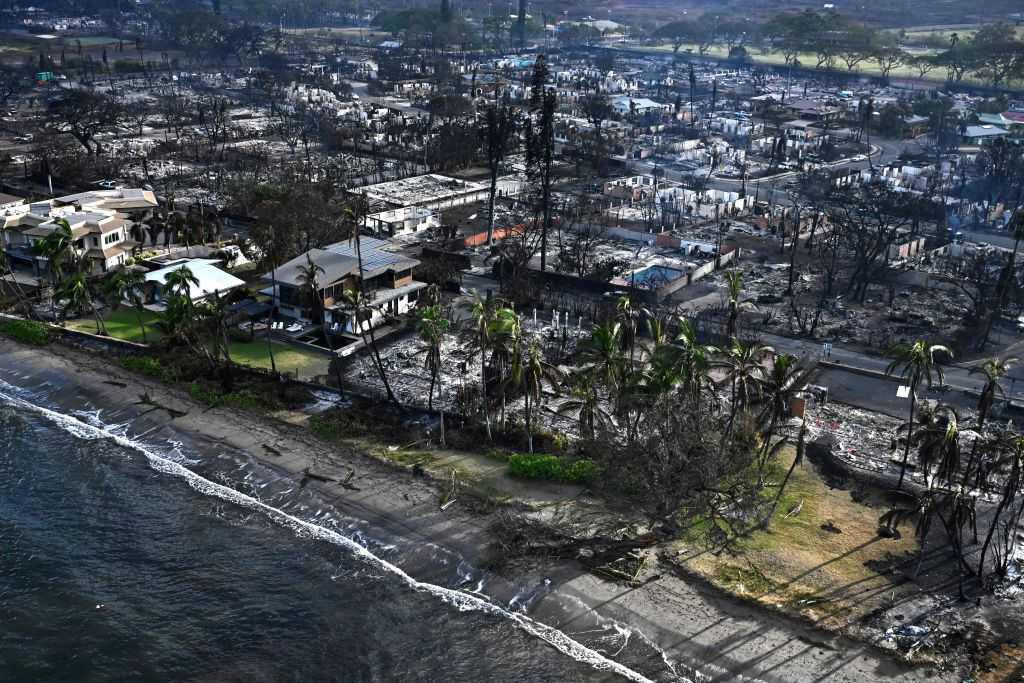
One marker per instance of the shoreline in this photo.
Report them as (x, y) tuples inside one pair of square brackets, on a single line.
[(723, 638)]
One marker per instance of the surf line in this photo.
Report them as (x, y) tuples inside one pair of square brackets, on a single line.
[(464, 602)]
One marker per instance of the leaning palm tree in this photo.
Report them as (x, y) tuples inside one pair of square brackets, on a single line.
[(77, 296), (1012, 464), (362, 317), (915, 363), (7, 277), (124, 285), (359, 299), (801, 445), (779, 387), (994, 370)]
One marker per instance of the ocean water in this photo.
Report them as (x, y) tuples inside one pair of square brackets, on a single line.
[(130, 558)]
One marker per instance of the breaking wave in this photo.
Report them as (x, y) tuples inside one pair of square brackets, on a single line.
[(462, 601)]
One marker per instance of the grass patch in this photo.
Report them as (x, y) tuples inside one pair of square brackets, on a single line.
[(287, 358), (743, 580), (245, 399), (150, 366), (121, 324), (827, 560), (29, 332), (360, 420), (551, 468), (402, 456)]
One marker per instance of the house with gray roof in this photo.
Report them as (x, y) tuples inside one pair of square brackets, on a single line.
[(386, 279)]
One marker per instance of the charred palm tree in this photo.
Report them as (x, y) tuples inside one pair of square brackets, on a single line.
[(994, 370), (916, 364)]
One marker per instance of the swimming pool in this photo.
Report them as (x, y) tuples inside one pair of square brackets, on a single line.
[(654, 276)]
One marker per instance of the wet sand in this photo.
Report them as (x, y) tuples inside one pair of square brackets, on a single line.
[(722, 638)]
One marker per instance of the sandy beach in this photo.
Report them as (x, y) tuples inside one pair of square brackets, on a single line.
[(719, 637)]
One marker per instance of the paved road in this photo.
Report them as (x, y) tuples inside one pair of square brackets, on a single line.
[(958, 378)]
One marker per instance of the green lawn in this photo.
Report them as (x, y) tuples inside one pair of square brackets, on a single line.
[(822, 554), (121, 324), (288, 358)]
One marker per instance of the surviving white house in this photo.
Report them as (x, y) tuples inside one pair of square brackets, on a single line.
[(210, 278), (100, 224), (405, 221), (640, 106)]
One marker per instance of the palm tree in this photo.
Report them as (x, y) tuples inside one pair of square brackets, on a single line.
[(216, 316), (629, 317), (1014, 461), (308, 277), (180, 281), (801, 444), (124, 285), (481, 318), (57, 248), (75, 292), (362, 316), (937, 438), (585, 404), (431, 327), (935, 435), (779, 387), (734, 280), (506, 330), (7, 276), (359, 299), (915, 363), (174, 318), (602, 355), (694, 360), (535, 372), (745, 373), (994, 370)]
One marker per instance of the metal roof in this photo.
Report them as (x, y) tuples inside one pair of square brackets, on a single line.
[(335, 266), (375, 259)]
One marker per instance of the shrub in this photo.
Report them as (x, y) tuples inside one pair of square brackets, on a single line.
[(29, 332), (150, 367), (244, 398), (550, 468), (329, 428)]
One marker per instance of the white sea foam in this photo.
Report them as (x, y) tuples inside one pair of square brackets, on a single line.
[(462, 601)]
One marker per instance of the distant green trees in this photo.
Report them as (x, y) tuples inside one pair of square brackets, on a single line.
[(994, 54)]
